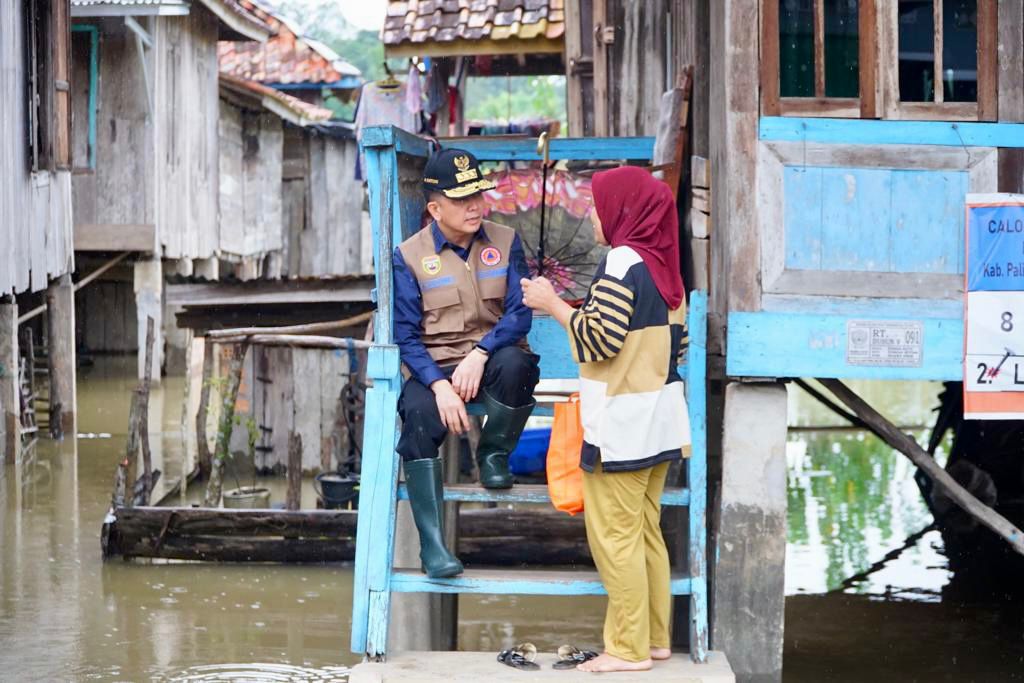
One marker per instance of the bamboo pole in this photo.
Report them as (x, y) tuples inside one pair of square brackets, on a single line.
[(38, 310), (310, 328), (308, 341), (906, 445), (227, 419)]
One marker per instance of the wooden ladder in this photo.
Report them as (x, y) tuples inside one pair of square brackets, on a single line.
[(393, 156)]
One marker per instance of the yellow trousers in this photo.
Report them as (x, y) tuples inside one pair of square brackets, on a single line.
[(622, 511)]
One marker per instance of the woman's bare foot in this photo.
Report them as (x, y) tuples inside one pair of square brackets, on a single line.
[(606, 663), (661, 653)]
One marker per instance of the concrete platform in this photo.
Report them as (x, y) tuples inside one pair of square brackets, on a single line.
[(482, 667)]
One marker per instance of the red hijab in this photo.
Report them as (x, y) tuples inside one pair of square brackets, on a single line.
[(637, 210)]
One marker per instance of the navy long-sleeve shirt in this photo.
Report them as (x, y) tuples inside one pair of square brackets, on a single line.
[(511, 327)]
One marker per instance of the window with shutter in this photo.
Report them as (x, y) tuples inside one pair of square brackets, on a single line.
[(48, 69)]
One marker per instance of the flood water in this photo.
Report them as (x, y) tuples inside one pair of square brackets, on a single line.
[(67, 615)]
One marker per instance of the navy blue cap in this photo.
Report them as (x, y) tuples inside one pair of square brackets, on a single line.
[(455, 173)]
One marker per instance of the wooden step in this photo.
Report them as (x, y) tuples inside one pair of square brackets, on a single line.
[(541, 410), (513, 582), (528, 493)]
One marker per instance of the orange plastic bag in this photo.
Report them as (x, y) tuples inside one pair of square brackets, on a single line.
[(565, 478)]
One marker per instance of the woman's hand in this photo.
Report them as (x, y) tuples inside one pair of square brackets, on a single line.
[(539, 294)]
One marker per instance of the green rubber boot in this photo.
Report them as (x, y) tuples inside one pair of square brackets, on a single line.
[(426, 498), (498, 438)]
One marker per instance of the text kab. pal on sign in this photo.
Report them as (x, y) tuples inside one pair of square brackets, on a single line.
[(994, 308)]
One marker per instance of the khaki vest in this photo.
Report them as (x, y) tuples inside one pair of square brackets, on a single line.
[(462, 300)]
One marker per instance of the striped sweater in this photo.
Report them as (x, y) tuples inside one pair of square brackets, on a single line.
[(629, 346)]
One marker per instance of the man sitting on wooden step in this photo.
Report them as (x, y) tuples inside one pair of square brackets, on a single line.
[(460, 326)]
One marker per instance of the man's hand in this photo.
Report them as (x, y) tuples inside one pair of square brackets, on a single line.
[(451, 407), (468, 374), (539, 294)]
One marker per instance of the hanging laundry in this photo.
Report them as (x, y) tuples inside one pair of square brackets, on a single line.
[(383, 106), (437, 85), (413, 92)]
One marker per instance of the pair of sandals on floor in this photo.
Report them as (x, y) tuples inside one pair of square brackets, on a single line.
[(522, 657)]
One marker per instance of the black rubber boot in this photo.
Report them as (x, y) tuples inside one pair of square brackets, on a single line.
[(498, 438), (426, 498)]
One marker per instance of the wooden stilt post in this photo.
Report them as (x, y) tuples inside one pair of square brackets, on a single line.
[(902, 442), (147, 456), (149, 282), (60, 326), (10, 398), (293, 497), (227, 420), (203, 455)]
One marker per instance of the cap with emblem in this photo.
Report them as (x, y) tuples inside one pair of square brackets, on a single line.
[(455, 173)]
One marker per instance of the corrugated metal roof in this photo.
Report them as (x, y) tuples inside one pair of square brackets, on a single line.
[(230, 12), (439, 21), (287, 58)]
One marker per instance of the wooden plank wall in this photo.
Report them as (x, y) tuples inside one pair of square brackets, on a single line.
[(637, 65), (295, 390), (330, 242), (250, 182), (105, 317), (187, 91), (120, 190), (35, 230), (322, 216)]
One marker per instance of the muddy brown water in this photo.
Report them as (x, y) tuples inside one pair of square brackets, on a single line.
[(66, 615)]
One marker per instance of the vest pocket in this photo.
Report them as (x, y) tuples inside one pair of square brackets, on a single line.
[(442, 311), (492, 291)]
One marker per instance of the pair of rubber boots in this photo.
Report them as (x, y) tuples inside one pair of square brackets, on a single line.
[(424, 481)]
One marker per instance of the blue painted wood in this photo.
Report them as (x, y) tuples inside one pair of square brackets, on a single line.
[(578, 149), (527, 493), (515, 582), (94, 77), (855, 219), (696, 473), (375, 532), (802, 190), (870, 132), (928, 221), (801, 345), (870, 219), (905, 309), (550, 341)]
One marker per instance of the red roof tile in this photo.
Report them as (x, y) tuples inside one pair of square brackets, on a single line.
[(286, 58)]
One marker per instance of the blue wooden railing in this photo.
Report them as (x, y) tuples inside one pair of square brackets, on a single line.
[(393, 163)]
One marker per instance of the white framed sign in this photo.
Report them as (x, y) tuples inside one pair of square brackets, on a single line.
[(994, 308)]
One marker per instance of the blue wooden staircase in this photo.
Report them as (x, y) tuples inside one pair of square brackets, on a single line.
[(394, 160)]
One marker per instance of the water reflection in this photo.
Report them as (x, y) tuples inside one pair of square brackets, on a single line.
[(65, 615)]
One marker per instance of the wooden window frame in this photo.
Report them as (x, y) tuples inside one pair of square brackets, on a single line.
[(48, 72), (987, 106), (863, 106)]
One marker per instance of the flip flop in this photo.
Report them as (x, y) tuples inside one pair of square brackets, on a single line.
[(520, 657), (569, 656)]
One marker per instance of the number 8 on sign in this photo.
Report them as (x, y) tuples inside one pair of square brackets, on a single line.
[(995, 342)]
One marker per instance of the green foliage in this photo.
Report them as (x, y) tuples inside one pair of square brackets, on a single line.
[(516, 97)]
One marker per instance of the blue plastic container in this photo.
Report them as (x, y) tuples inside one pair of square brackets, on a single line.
[(531, 454)]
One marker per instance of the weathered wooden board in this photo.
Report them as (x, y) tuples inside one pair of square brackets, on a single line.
[(187, 134), (35, 230)]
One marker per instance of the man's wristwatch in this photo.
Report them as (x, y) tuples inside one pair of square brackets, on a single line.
[(482, 350)]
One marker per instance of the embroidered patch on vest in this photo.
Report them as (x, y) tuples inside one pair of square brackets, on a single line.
[(431, 264), (490, 256)]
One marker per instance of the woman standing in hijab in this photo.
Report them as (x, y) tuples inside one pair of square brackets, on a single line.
[(628, 338)]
